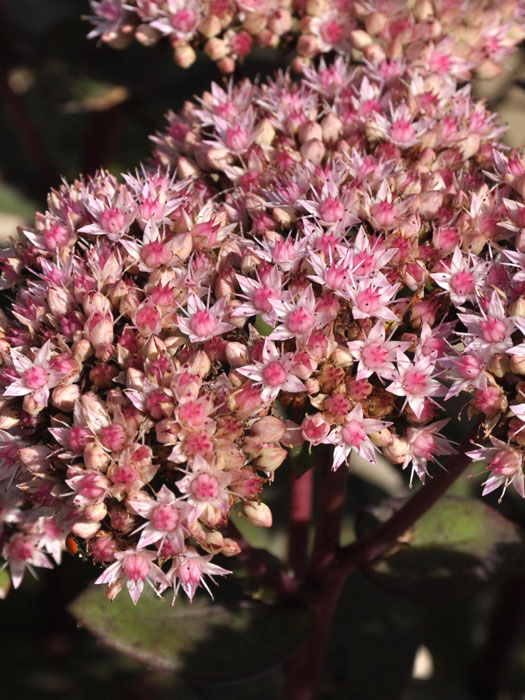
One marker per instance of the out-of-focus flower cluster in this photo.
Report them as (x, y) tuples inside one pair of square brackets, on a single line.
[(453, 36), (323, 262)]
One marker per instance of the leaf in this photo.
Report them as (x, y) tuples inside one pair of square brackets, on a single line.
[(458, 545), (372, 643), (261, 326), (203, 641), (5, 584)]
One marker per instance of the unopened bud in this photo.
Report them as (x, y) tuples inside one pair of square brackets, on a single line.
[(397, 451), (95, 457), (375, 22), (85, 529), (269, 429), (64, 397), (517, 308), (383, 438), (332, 128), (146, 35), (270, 459), (313, 150), (184, 56), (96, 512), (230, 548), (237, 354), (216, 48), (257, 514), (360, 39), (517, 365)]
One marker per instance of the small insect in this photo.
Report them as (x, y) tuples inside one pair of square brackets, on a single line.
[(76, 547)]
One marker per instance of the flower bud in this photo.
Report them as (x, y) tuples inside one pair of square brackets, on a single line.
[(85, 529), (517, 308), (257, 514), (313, 150), (375, 23), (397, 451), (216, 48), (310, 130), (230, 548), (65, 397), (517, 364), (237, 354), (146, 35), (95, 457), (360, 39), (186, 167), (31, 405), (184, 55), (96, 512), (210, 26), (332, 128), (499, 365), (269, 429), (9, 418), (383, 438), (342, 357), (270, 459)]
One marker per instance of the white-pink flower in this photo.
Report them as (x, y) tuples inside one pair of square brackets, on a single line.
[(274, 372), (133, 569), (416, 381), (35, 377), (203, 323), (188, 572), (353, 435)]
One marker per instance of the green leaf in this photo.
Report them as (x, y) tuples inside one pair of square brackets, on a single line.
[(203, 641), (261, 326), (459, 545), (5, 584), (372, 644)]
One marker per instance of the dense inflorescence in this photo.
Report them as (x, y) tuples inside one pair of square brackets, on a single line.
[(323, 262), (452, 36)]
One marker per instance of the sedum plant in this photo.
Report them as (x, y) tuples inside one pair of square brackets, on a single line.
[(308, 269)]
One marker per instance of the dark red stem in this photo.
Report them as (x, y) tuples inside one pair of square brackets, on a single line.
[(301, 491), (332, 489)]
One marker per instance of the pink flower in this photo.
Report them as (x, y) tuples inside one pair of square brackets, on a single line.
[(273, 372), (376, 354), (167, 518), (21, 552), (353, 435), (35, 377), (425, 444), (189, 570), (505, 465), (204, 323), (132, 569), (416, 381)]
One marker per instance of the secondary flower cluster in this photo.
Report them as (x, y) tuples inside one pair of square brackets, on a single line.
[(455, 36), (334, 261)]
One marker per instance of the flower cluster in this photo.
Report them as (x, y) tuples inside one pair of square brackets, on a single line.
[(327, 261), (456, 36)]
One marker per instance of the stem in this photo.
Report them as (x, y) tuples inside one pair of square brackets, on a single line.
[(304, 671), (330, 510), (376, 543), (301, 490)]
